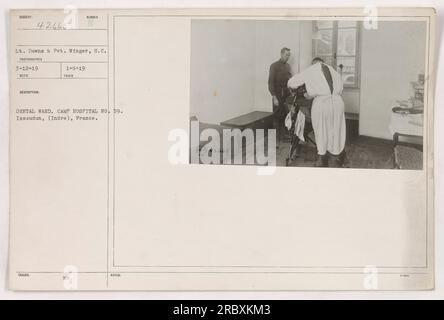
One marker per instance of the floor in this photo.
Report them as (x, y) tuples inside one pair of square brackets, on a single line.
[(362, 152)]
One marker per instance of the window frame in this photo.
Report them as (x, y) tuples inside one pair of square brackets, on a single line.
[(335, 32)]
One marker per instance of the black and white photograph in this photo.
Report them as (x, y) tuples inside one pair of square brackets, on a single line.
[(257, 153), (311, 93)]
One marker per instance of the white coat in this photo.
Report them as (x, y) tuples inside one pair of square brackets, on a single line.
[(327, 113)]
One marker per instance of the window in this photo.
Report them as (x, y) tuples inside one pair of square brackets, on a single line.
[(337, 42)]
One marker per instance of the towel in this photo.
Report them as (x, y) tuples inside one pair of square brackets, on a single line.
[(299, 126), (288, 121)]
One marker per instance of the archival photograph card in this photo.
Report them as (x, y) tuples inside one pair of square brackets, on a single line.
[(222, 149)]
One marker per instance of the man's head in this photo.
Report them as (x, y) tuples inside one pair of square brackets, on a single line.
[(317, 60), (285, 54)]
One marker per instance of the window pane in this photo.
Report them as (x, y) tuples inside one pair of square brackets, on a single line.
[(346, 42), (324, 24), (323, 42), (347, 24), (348, 70)]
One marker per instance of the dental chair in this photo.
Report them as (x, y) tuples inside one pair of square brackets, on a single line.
[(296, 102)]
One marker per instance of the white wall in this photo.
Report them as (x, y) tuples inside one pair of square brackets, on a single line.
[(351, 100), (392, 56), (270, 38), (222, 69), (230, 60)]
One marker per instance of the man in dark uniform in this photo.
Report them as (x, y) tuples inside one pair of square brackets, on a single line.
[(280, 73)]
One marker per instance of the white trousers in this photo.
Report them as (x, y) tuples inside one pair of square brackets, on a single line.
[(328, 119)]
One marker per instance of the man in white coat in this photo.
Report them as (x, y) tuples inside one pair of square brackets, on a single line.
[(324, 84)]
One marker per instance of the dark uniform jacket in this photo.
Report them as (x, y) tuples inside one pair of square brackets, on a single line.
[(279, 75)]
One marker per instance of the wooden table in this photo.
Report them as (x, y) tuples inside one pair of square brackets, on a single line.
[(253, 120)]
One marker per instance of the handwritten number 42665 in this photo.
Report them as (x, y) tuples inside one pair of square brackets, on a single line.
[(48, 25)]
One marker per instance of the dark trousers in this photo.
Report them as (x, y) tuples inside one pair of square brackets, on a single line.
[(279, 114)]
